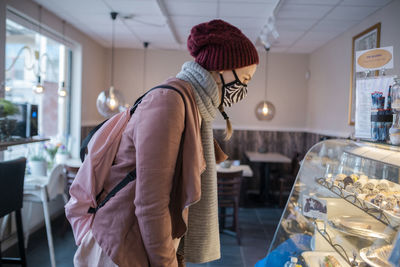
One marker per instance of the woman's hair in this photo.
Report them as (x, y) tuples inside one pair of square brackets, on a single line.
[(228, 129)]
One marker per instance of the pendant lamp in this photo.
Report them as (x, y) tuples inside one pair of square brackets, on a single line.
[(110, 101), (38, 87), (265, 110), (145, 45), (62, 91)]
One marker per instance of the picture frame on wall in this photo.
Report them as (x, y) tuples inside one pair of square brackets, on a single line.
[(368, 39)]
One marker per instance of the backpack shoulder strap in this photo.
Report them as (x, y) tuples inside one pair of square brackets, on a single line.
[(87, 139), (131, 176)]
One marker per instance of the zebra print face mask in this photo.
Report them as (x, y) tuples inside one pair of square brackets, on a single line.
[(232, 92)]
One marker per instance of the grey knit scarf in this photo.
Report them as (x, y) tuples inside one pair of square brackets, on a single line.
[(201, 242)]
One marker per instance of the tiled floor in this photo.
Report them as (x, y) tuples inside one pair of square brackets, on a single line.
[(257, 226)]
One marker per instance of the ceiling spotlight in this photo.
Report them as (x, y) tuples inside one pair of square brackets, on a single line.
[(275, 34)]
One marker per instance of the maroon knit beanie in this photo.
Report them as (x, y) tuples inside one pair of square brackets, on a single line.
[(218, 45)]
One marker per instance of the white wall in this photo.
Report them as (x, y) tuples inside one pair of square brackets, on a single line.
[(328, 90), (129, 69), (287, 86)]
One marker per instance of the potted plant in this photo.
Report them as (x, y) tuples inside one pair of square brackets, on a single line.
[(38, 165), (7, 125)]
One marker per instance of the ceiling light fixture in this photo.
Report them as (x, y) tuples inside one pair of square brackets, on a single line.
[(265, 110), (111, 101), (269, 33)]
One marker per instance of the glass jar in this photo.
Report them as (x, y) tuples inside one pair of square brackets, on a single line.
[(396, 94)]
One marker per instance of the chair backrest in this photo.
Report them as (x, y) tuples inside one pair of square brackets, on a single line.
[(12, 175), (229, 184), (295, 164), (70, 173), (57, 181)]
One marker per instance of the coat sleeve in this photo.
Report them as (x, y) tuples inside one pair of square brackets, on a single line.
[(157, 135)]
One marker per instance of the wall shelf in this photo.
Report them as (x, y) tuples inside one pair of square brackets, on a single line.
[(5, 145)]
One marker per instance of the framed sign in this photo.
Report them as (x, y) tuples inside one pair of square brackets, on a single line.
[(368, 39), (374, 59), (314, 207)]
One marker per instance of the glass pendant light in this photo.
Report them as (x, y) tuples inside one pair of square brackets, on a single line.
[(62, 91), (111, 101), (265, 110), (38, 87), (7, 88)]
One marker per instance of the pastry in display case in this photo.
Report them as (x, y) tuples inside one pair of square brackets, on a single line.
[(344, 208)]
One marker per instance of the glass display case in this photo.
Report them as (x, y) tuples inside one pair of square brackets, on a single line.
[(344, 208)]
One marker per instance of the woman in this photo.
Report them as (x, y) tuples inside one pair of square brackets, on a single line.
[(171, 207)]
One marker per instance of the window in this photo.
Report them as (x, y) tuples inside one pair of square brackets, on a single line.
[(31, 56)]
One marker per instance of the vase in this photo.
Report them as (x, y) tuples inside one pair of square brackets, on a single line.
[(61, 158), (38, 167)]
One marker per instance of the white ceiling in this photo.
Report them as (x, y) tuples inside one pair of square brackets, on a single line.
[(303, 25)]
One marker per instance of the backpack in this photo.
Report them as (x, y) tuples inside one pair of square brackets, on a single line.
[(101, 145)]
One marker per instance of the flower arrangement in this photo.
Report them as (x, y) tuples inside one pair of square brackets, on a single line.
[(51, 149), (63, 150)]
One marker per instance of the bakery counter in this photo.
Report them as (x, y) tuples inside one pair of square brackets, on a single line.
[(344, 209)]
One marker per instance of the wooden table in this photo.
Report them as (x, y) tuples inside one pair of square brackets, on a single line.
[(265, 160), (247, 171)]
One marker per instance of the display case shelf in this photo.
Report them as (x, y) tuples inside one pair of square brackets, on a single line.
[(338, 248), (378, 214)]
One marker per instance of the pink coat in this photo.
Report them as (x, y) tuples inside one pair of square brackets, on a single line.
[(138, 225)]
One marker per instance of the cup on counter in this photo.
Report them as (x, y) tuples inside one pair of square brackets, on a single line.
[(226, 164)]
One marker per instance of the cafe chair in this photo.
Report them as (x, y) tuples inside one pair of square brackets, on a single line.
[(11, 194), (70, 174), (43, 189), (287, 180), (228, 197)]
